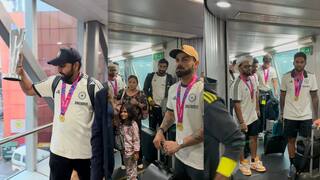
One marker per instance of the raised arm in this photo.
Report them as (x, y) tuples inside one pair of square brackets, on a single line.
[(25, 83)]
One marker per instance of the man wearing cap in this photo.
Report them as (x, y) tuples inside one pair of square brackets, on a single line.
[(115, 82), (268, 81), (73, 111), (246, 110), (185, 108)]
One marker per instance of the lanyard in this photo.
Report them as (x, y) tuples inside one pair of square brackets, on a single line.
[(266, 74), (179, 104), (66, 101), (250, 86), (298, 79), (114, 87)]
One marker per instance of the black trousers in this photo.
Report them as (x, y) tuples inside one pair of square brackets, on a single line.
[(61, 167), (185, 172), (155, 117)]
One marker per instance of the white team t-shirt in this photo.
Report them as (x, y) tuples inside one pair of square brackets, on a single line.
[(120, 84), (192, 121), (266, 85), (240, 92), (302, 108), (71, 138), (158, 88)]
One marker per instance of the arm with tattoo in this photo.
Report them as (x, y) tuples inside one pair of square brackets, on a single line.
[(195, 138), (168, 121)]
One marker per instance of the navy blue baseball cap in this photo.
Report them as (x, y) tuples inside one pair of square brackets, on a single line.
[(66, 55)]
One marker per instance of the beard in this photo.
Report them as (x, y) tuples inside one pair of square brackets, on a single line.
[(180, 72), (161, 72), (67, 78)]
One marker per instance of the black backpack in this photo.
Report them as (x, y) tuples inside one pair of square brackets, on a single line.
[(90, 88)]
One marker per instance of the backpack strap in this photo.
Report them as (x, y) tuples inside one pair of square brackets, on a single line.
[(54, 84), (90, 88)]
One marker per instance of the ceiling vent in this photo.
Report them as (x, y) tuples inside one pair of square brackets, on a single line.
[(148, 31), (265, 18)]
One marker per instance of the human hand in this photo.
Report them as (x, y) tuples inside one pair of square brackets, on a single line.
[(134, 101), (159, 139), (19, 68), (244, 127), (136, 155), (152, 103), (171, 147)]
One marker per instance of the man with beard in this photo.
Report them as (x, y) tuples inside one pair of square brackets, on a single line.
[(254, 69), (246, 109), (268, 81), (185, 108), (70, 142), (156, 87), (298, 103), (115, 82)]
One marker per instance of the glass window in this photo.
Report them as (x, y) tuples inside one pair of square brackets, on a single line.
[(284, 61), (141, 67), (17, 157), (260, 58)]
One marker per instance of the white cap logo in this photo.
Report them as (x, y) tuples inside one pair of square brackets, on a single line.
[(59, 53)]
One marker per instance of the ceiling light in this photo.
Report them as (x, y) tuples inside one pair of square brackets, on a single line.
[(197, 1), (223, 4), (118, 58), (258, 53), (59, 43), (287, 47)]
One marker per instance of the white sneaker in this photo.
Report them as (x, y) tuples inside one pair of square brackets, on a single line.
[(123, 167), (140, 166), (245, 168), (257, 165)]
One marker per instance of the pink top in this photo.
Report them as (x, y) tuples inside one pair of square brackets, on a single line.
[(131, 138)]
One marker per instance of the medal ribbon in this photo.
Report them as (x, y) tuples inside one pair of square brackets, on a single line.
[(179, 104), (66, 101), (298, 79), (266, 75), (250, 86), (114, 87)]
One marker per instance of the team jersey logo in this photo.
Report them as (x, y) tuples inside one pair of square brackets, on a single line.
[(82, 95), (192, 97)]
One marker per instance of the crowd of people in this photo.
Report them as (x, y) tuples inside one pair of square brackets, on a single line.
[(92, 119), (255, 86)]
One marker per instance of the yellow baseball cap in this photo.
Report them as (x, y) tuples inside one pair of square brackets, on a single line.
[(186, 49)]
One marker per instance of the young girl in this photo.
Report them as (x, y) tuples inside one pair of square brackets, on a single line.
[(130, 131), (138, 101)]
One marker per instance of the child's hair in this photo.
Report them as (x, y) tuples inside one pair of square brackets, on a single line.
[(130, 111)]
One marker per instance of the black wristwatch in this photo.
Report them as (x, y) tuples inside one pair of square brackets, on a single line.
[(161, 129)]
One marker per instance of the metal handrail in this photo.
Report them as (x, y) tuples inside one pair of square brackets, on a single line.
[(16, 136)]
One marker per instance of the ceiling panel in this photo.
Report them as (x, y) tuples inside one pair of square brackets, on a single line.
[(257, 24), (122, 43), (244, 37)]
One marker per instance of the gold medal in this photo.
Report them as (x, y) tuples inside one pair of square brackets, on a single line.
[(61, 118), (180, 126), (296, 98)]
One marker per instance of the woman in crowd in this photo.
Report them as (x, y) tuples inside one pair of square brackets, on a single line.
[(137, 99)]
